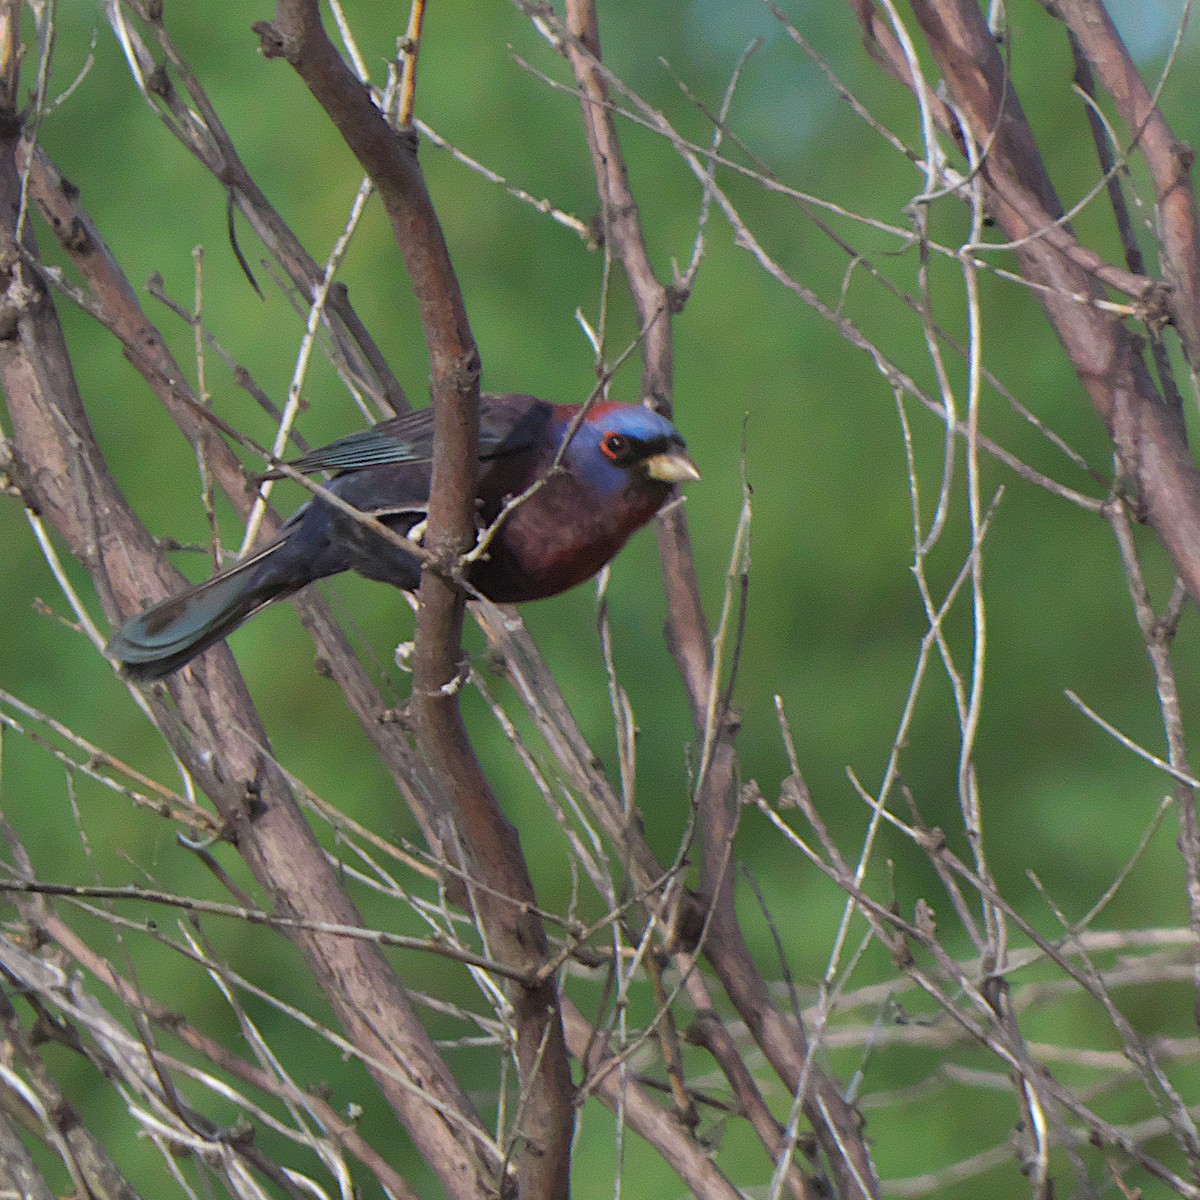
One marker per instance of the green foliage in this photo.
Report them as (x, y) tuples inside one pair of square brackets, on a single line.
[(834, 618)]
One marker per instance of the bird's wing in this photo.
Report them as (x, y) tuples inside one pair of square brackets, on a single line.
[(402, 439), (369, 448), (506, 424)]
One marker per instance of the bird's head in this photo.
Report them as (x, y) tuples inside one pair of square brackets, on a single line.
[(617, 443)]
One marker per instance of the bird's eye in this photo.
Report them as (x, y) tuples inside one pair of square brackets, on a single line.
[(614, 445)]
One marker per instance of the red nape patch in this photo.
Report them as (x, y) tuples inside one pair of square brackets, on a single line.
[(604, 407)]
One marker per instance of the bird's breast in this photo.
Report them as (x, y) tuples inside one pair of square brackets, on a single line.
[(560, 536)]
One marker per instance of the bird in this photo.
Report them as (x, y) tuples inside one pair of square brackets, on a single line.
[(618, 468)]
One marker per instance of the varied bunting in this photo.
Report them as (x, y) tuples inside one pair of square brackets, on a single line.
[(614, 475)]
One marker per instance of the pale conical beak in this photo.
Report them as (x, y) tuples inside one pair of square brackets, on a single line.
[(671, 466)]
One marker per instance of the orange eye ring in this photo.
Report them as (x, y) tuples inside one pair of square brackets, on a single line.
[(613, 445)]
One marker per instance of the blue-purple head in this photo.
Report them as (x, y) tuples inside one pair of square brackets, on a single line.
[(618, 443)]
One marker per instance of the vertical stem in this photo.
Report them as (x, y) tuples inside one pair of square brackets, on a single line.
[(504, 903)]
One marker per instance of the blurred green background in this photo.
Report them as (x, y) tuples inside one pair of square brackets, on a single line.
[(834, 618)]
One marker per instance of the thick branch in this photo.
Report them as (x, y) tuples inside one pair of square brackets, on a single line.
[(505, 905), (118, 308), (1148, 434), (687, 629), (214, 728), (1169, 160), (835, 1123)]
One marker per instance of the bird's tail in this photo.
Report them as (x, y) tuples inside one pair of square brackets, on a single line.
[(169, 634)]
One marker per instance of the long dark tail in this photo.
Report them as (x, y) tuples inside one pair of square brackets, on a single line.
[(166, 636)]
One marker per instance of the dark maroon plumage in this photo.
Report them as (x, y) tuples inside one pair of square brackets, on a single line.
[(614, 475)]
